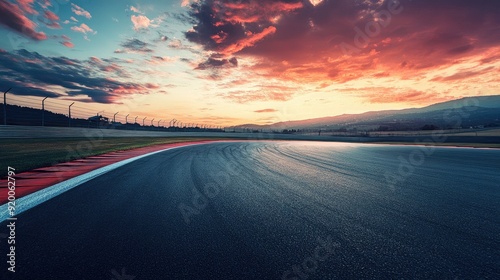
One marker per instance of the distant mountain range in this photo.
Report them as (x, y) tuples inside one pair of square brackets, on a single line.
[(480, 111)]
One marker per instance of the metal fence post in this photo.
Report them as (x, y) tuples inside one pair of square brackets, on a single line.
[(69, 114), (43, 111), (5, 107)]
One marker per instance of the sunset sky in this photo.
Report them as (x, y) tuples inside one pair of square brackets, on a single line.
[(248, 61)]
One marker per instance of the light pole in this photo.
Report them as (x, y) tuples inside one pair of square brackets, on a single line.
[(43, 111), (152, 122), (99, 120), (135, 121), (159, 123), (5, 106), (144, 120), (126, 119), (114, 116), (69, 114)]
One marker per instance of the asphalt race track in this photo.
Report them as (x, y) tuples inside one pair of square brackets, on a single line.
[(273, 210)]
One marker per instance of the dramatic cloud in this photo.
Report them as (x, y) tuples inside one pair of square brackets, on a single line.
[(13, 17), (22, 70), (134, 46), (339, 42), (227, 27), (80, 11), (140, 22), (249, 41)]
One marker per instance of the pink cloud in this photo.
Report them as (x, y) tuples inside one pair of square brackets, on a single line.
[(135, 10), (67, 44), (185, 3), (14, 18), (83, 28), (45, 4), (51, 16), (80, 11), (140, 22), (27, 6), (52, 20)]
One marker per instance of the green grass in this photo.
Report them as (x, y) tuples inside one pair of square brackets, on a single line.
[(28, 154)]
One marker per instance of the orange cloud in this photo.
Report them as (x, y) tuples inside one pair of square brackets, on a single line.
[(397, 95), (266, 111), (410, 48), (463, 75), (249, 41)]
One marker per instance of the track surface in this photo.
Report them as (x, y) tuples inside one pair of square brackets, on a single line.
[(272, 210)]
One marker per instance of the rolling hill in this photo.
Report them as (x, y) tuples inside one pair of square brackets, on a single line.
[(463, 112)]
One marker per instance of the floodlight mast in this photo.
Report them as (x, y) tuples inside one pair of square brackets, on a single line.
[(69, 114), (43, 111)]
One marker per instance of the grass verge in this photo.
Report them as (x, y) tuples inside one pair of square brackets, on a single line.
[(28, 154)]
